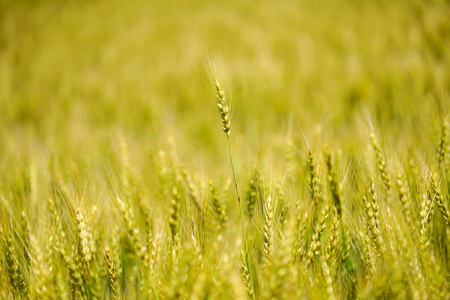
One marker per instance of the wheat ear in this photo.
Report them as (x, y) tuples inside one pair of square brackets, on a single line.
[(224, 113)]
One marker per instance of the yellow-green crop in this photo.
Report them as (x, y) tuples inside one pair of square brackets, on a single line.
[(115, 175)]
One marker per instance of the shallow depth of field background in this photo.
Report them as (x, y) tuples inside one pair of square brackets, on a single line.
[(78, 79), (75, 73)]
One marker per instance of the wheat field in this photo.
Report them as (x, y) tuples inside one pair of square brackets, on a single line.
[(230, 150)]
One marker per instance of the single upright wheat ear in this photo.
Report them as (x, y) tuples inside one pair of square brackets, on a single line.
[(381, 161), (223, 108), (314, 178), (83, 237), (268, 229), (224, 114)]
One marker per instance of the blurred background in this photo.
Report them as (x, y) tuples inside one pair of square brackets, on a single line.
[(75, 74)]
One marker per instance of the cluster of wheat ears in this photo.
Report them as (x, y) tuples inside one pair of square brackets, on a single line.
[(374, 231)]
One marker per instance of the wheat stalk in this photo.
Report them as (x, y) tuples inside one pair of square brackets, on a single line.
[(224, 113)]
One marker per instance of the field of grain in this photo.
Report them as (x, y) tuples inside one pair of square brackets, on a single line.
[(230, 150)]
